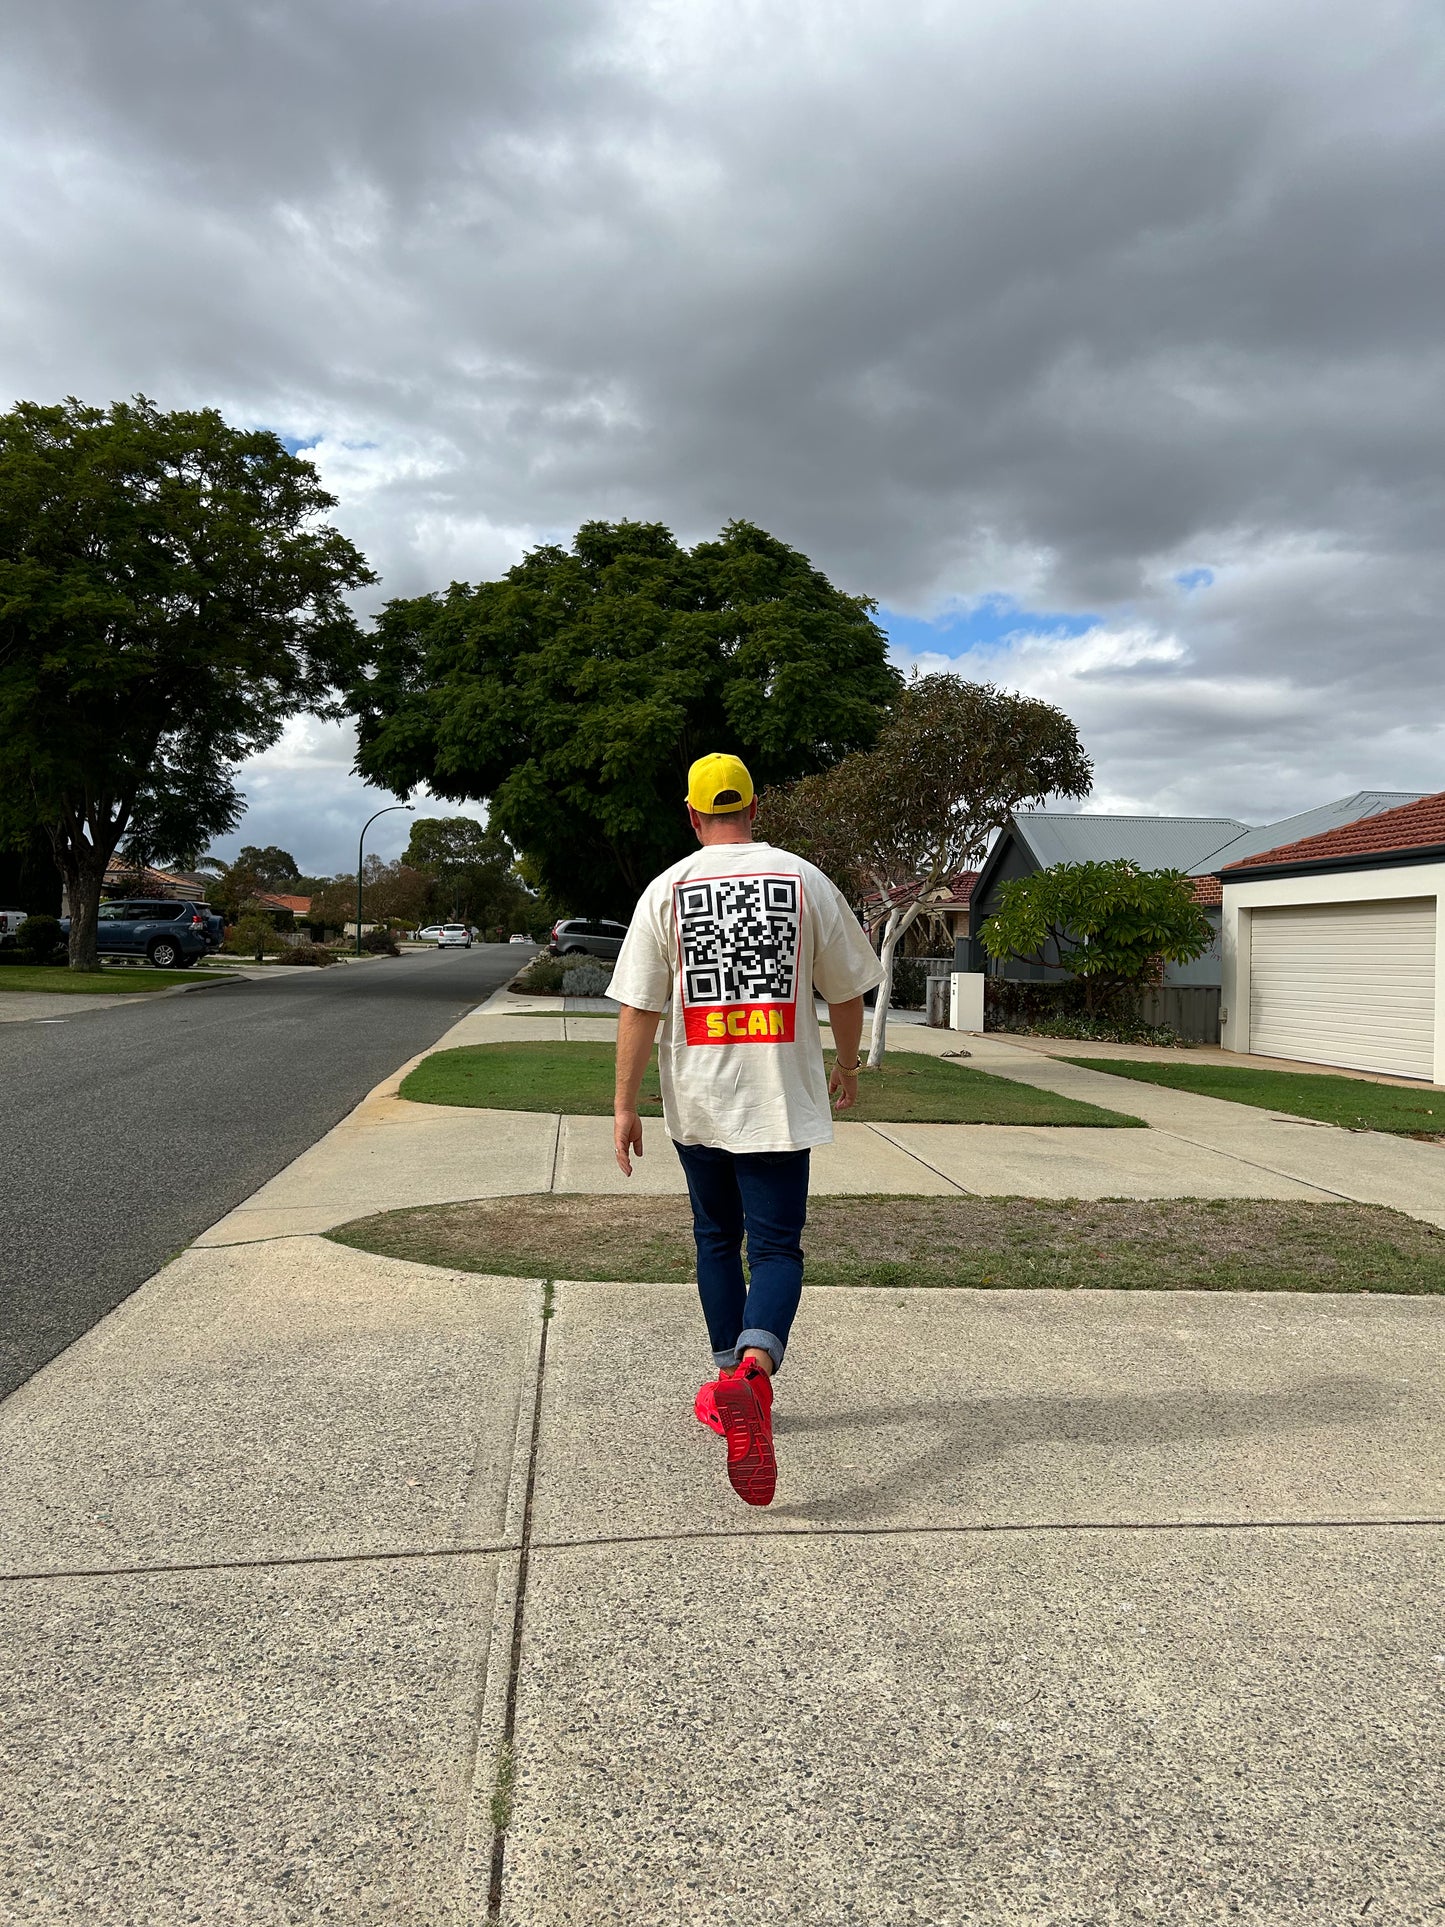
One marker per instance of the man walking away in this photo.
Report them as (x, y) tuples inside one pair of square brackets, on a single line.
[(732, 943)]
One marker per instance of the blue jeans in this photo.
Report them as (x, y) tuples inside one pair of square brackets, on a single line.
[(765, 1195)]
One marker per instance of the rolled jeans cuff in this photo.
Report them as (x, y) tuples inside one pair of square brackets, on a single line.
[(756, 1341)]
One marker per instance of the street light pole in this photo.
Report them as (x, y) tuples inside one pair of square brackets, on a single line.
[(361, 845)]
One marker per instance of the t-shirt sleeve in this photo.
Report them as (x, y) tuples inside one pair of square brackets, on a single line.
[(844, 965), (642, 975)]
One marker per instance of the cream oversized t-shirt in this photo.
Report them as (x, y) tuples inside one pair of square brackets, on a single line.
[(731, 944)]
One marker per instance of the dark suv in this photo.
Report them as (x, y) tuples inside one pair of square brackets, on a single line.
[(587, 936), (172, 935)]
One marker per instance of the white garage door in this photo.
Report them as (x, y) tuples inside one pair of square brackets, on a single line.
[(1345, 983)]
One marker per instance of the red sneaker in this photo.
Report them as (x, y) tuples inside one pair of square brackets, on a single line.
[(704, 1406), (743, 1401)]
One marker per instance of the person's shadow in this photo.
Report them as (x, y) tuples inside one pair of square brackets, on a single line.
[(983, 1430)]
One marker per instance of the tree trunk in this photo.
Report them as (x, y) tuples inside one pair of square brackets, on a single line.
[(84, 876), (898, 922)]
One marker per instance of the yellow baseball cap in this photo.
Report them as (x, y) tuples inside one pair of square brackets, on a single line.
[(717, 784)]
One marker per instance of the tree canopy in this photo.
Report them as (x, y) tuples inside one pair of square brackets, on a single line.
[(574, 693), (894, 823), (471, 868), (169, 595), (1111, 924)]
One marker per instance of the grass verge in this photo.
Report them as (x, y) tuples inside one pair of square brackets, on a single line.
[(1120, 1244), (58, 977), (1347, 1101), (577, 1079)]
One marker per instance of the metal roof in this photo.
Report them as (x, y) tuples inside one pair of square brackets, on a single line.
[(1153, 842), (1290, 829)]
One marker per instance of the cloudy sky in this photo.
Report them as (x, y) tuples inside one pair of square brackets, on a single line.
[(1099, 340)]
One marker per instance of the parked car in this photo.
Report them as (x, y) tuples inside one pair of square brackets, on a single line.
[(430, 934), (454, 935), (10, 922), (172, 935), (518, 936), (587, 937)]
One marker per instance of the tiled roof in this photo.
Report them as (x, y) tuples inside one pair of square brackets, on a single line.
[(950, 896), (298, 905), (1412, 827)]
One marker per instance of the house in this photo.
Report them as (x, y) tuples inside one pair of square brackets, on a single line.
[(300, 907), (946, 908), (1198, 845), (1329, 945), (1034, 840)]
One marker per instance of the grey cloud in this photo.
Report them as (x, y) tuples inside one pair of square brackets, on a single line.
[(1026, 298)]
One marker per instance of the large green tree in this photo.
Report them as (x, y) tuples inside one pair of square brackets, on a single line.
[(169, 594), (574, 692)]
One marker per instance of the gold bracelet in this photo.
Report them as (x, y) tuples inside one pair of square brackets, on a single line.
[(848, 1070)]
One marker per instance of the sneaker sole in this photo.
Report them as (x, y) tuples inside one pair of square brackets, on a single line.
[(752, 1466)]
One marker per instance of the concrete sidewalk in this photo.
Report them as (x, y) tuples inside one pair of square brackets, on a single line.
[(390, 1153), (1073, 1607)]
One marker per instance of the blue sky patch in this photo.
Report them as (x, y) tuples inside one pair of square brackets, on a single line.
[(297, 444), (978, 625), (1195, 578)]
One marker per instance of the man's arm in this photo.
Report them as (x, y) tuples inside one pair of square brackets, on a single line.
[(636, 1033), (847, 1023)]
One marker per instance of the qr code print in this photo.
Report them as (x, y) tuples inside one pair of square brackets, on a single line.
[(739, 940)]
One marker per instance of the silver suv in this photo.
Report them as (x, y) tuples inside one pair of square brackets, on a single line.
[(587, 937)]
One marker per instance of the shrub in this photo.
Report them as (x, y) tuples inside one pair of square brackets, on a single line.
[(543, 978), (252, 937), (910, 978), (589, 978), (1057, 1010), (379, 943), (307, 953), (40, 938), (564, 976)]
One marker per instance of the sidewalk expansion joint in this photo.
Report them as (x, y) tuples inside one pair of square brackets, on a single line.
[(506, 1749), (528, 1545), (241, 1244), (962, 1190), (277, 1562), (1254, 1164)]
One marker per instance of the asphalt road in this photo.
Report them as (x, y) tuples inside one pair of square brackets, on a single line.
[(125, 1132)]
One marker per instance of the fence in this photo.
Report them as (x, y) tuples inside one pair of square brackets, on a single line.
[(1191, 1009)]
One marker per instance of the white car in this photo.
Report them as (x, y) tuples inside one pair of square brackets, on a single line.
[(450, 935), (517, 937)]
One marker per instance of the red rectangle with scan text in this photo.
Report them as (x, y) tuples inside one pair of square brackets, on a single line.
[(739, 1023)]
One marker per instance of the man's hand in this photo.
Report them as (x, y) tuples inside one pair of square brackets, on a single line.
[(626, 1139), (635, 1032), (843, 1087), (846, 1022)]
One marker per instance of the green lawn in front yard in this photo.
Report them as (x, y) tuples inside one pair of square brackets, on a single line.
[(1347, 1101), (577, 1079), (1120, 1244), (123, 977)]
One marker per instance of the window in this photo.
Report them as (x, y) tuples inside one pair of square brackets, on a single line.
[(111, 912)]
